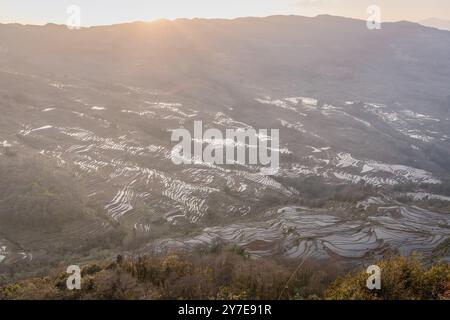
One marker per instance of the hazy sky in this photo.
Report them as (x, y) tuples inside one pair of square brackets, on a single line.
[(97, 12)]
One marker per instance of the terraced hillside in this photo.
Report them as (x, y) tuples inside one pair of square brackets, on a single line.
[(99, 105)]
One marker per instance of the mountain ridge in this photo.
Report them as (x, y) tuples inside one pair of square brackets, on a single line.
[(237, 19), (437, 23)]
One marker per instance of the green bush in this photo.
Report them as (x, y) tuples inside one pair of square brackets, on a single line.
[(401, 279)]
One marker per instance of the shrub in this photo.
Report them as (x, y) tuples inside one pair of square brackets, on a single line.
[(401, 279)]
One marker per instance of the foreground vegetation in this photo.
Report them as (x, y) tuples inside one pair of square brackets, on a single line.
[(402, 279), (230, 274)]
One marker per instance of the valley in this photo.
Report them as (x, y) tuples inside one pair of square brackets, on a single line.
[(361, 159)]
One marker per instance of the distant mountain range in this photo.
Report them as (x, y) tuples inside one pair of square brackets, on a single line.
[(436, 23)]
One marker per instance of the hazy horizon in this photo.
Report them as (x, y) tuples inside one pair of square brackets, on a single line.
[(202, 18), (118, 11)]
